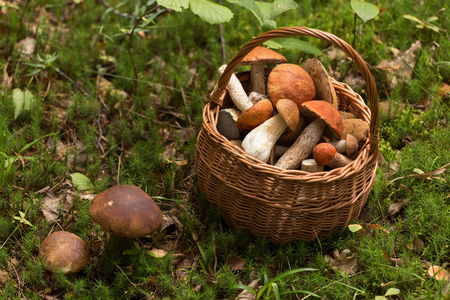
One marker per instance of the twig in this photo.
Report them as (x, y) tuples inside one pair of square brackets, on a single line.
[(71, 81), (222, 39)]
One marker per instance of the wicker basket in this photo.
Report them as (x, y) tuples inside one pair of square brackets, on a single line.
[(286, 205)]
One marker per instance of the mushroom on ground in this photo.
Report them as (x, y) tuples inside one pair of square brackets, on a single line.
[(349, 146), (324, 118), (325, 154), (64, 251), (324, 88), (290, 81), (257, 58), (260, 141), (126, 212)]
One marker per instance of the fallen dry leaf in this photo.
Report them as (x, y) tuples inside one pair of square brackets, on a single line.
[(3, 278), (7, 80), (344, 262), (26, 45), (438, 273), (106, 87), (394, 208), (53, 205), (236, 263), (399, 67), (444, 90), (158, 253), (247, 295)]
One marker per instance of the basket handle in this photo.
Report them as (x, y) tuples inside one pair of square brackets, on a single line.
[(216, 95)]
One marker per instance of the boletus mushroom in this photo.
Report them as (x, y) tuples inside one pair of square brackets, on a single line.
[(260, 141), (290, 81), (126, 212), (257, 58), (325, 154), (64, 251), (324, 118), (324, 88)]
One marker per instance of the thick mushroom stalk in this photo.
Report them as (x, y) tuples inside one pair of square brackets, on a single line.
[(325, 118), (237, 92), (260, 141), (325, 154), (257, 58)]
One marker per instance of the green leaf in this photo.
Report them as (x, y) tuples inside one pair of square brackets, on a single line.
[(211, 12), (81, 182), (280, 6), (273, 45), (176, 5), (292, 43), (22, 101), (392, 292), (354, 227), (244, 287), (251, 6), (380, 298), (269, 25), (366, 11), (265, 8)]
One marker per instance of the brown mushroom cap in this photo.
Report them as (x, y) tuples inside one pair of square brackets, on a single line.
[(126, 211), (262, 56), (356, 127), (325, 111), (324, 88), (290, 81), (64, 251), (323, 153), (255, 115), (290, 113)]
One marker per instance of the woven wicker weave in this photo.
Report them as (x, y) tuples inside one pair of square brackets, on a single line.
[(286, 205)]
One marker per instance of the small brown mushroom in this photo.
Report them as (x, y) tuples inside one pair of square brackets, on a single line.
[(260, 141), (126, 211), (290, 81), (324, 119), (64, 251), (324, 88), (325, 154), (257, 58), (349, 146)]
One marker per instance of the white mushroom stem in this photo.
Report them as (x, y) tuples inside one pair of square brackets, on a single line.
[(237, 92), (303, 146), (260, 141), (311, 166)]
